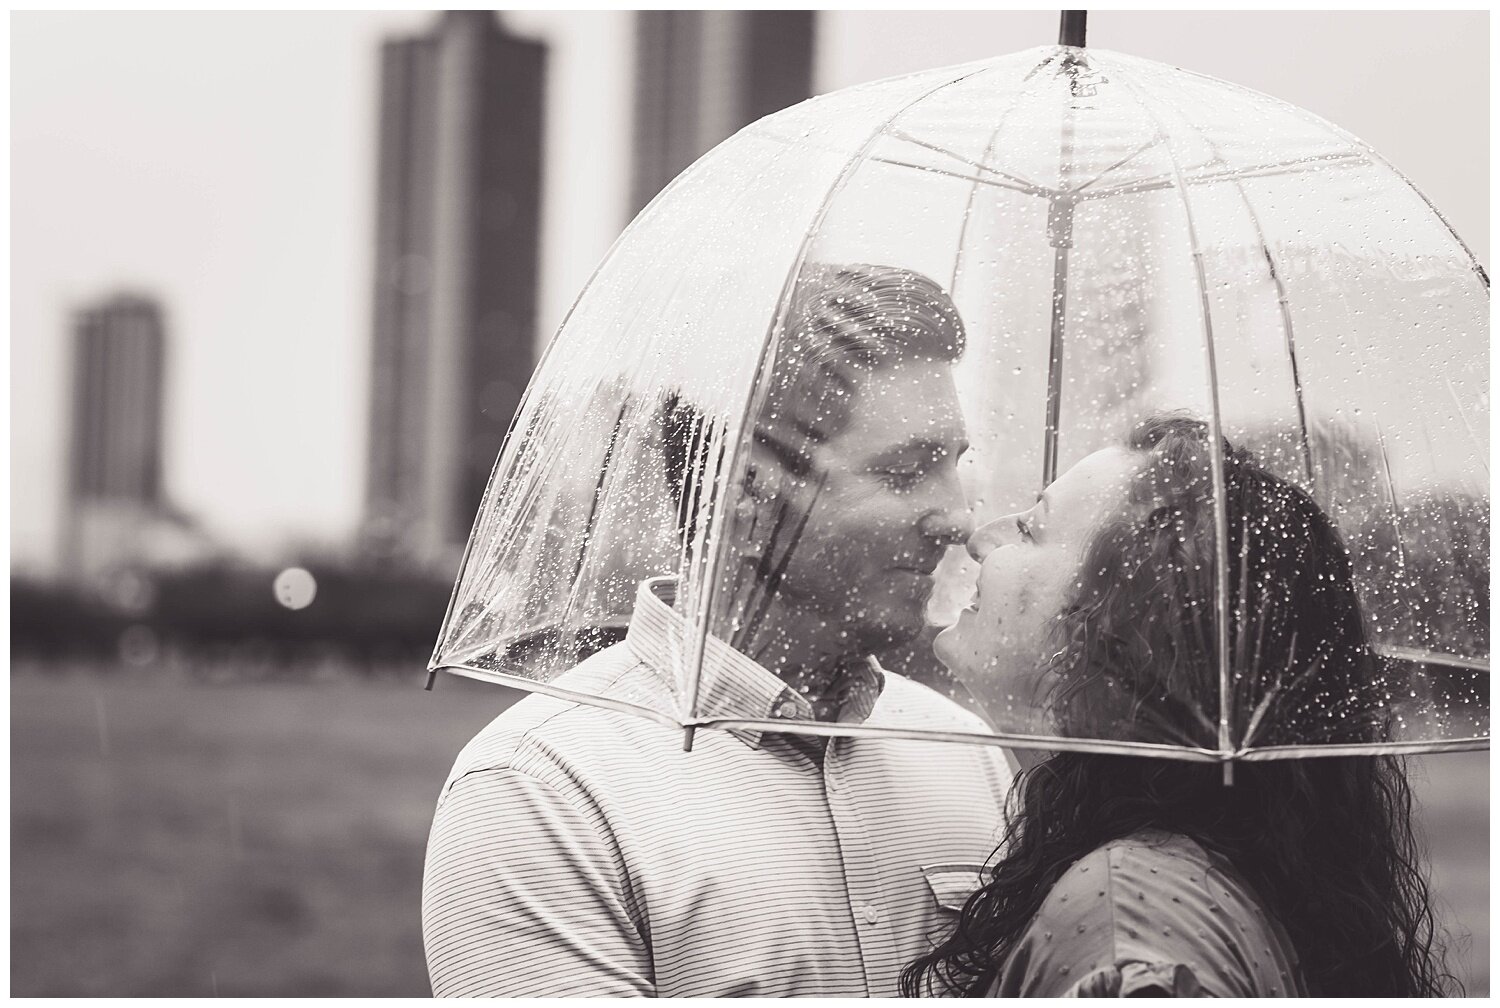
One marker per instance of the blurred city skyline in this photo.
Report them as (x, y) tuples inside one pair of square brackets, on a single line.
[(225, 165)]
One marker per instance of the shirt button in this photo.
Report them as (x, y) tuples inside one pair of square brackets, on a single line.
[(871, 913), (785, 709)]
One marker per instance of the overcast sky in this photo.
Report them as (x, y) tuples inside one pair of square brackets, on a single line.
[(225, 163)]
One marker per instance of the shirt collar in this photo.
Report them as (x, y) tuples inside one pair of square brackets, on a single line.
[(730, 684)]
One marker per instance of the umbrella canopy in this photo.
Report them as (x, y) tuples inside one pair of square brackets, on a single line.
[(865, 325)]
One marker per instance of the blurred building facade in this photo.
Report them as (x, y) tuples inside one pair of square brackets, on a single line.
[(119, 374), (457, 232), (702, 75), (119, 524), (115, 469)]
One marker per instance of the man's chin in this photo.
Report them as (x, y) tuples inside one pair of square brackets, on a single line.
[(888, 631)]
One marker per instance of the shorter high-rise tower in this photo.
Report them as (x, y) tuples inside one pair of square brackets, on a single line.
[(117, 522), (119, 371)]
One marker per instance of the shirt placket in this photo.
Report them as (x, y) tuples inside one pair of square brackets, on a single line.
[(868, 901)]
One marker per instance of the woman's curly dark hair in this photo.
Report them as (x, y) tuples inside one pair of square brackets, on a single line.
[(1326, 842)]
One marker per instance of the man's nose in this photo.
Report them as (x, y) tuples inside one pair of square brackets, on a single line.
[(989, 536), (949, 526), (951, 520)]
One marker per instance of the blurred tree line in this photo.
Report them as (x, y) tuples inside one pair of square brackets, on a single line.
[(226, 611), (1423, 571)]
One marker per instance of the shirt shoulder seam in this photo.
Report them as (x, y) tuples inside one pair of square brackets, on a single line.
[(529, 735)]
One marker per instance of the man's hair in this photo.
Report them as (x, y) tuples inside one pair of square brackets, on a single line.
[(842, 321)]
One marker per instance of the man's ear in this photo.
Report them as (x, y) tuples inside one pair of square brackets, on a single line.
[(759, 484), (761, 488), (755, 493)]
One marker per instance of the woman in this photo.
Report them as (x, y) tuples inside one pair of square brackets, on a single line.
[(1133, 875)]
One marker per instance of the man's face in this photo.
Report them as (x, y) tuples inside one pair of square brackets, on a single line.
[(882, 502)]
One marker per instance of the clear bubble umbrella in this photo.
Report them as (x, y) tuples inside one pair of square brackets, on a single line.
[(867, 324)]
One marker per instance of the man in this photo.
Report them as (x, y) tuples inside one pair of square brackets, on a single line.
[(582, 851)]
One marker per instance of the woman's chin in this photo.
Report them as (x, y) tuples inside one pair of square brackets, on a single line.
[(945, 646)]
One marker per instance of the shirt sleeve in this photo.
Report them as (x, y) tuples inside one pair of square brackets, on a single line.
[(1138, 919), (523, 897)]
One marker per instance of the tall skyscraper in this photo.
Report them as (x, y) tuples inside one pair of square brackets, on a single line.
[(702, 75), (458, 215)]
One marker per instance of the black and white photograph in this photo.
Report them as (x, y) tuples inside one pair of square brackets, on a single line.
[(764, 503)]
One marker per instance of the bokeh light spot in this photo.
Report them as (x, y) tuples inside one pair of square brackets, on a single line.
[(295, 588)]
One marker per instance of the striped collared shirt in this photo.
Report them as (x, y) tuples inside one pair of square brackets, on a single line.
[(580, 851)]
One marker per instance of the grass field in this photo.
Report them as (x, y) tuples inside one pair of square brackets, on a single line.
[(253, 840)]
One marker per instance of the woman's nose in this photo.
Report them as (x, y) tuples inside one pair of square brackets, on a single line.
[(989, 536)]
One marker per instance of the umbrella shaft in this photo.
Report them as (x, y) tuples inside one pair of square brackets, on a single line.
[(1073, 28), (1055, 364), (1060, 236)]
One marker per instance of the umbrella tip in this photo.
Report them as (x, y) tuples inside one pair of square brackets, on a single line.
[(1073, 29)]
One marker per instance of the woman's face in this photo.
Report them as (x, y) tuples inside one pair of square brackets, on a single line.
[(1029, 565)]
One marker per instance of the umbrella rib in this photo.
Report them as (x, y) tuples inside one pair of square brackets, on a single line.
[(769, 345), (976, 165), (1463, 416), (527, 397), (1283, 302), (1406, 748), (1203, 177), (1010, 739), (1430, 657), (526, 403), (1021, 184), (1216, 437), (1028, 190), (1372, 155), (1119, 164), (1390, 485), (698, 556), (497, 602), (512, 529), (959, 256), (1385, 461), (774, 575), (1351, 159), (463, 565), (595, 500), (1395, 651)]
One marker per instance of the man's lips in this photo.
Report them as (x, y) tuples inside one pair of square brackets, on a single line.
[(924, 568)]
